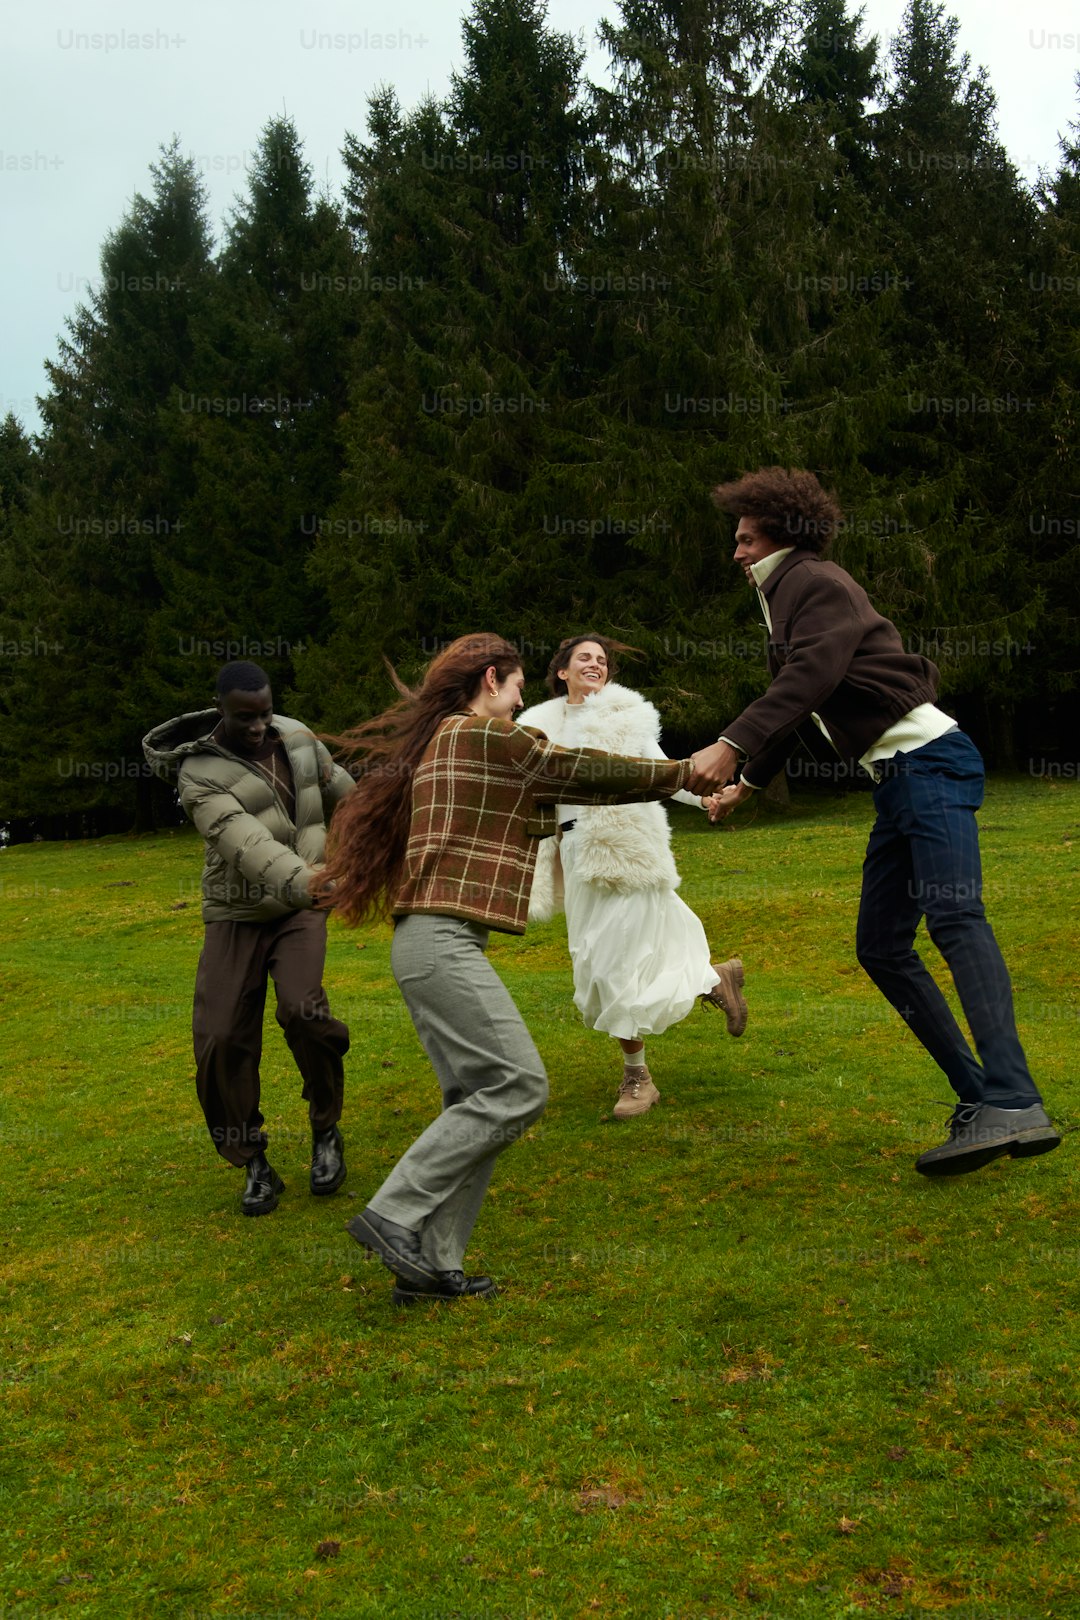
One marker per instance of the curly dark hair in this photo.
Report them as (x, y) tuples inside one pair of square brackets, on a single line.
[(554, 682), (789, 507)]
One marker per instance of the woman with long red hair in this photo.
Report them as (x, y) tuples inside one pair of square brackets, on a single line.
[(441, 834)]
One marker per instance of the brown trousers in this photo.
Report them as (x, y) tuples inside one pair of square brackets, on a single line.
[(227, 1025)]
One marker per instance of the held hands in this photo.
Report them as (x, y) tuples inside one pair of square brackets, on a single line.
[(712, 767), (723, 803)]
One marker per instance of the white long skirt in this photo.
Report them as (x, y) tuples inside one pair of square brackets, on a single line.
[(640, 960)]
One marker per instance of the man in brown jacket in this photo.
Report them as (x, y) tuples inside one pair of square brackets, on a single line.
[(836, 661), (260, 788)]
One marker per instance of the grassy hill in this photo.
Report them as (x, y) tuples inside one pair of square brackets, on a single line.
[(745, 1363)]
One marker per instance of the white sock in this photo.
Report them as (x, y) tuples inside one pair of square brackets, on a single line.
[(634, 1060)]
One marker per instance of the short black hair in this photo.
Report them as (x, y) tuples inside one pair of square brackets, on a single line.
[(241, 676)]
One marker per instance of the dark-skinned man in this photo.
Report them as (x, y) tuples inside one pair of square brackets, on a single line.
[(260, 788), (836, 661)]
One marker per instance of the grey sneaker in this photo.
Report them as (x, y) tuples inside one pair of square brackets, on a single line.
[(979, 1132), (727, 996), (636, 1094)]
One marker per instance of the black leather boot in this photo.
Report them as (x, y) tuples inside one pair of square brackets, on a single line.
[(327, 1161), (263, 1187), (447, 1285), (396, 1246)]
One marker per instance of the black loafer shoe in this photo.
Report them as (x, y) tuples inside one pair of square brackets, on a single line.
[(449, 1285), (263, 1187), (396, 1247), (327, 1161)]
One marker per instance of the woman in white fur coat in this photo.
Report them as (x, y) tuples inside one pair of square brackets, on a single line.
[(640, 955)]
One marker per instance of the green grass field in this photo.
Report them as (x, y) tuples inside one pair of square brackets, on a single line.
[(745, 1363)]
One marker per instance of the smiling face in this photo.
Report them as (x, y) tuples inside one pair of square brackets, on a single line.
[(752, 546), (244, 719), (586, 671)]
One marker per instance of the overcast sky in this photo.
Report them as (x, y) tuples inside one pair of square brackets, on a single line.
[(91, 88)]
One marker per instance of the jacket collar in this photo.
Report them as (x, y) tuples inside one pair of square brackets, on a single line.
[(611, 696), (792, 560), (555, 710)]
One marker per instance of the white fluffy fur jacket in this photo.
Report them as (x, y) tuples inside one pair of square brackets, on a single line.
[(621, 847)]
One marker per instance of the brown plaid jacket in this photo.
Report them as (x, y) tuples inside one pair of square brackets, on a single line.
[(483, 796)]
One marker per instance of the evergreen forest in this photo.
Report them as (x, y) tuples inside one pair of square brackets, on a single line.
[(491, 385)]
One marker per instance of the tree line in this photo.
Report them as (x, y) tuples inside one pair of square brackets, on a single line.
[(491, 384)]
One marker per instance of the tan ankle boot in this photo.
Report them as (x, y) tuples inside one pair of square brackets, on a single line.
[(636, 1094), (727, 996)]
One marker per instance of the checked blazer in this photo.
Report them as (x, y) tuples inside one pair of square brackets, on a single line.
[(483, 796)]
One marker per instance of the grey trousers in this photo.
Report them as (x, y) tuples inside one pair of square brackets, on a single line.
[(493, 1082)]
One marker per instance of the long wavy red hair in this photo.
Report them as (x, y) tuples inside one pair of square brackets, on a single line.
[(365, 846)]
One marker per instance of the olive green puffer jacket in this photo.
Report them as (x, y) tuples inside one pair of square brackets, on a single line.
[(258, 861)]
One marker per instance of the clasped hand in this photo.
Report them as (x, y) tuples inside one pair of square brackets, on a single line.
[(723, 803), (713, 767)]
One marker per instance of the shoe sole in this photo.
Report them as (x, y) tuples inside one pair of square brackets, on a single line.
[(634, 1113), (367, 1237), (959, 1164), (268, 1209), (328, 1187), (738, 1014), (1032, 1149), (404, 1297)]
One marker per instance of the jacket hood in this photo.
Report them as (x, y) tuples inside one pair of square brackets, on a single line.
[(168, 745)]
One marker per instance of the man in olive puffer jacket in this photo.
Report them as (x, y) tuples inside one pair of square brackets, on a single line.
[(260, 788)]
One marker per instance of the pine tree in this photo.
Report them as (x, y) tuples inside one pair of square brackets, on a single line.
[(260, 430), (846, 296), (1047, 501), (100, 526), (20, 640), (677, 378), (463, 381), (835, 72), (760, 339), (962, 228), (18, 467)]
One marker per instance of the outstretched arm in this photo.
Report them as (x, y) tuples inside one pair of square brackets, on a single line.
[(594, 776), (823, 633)]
